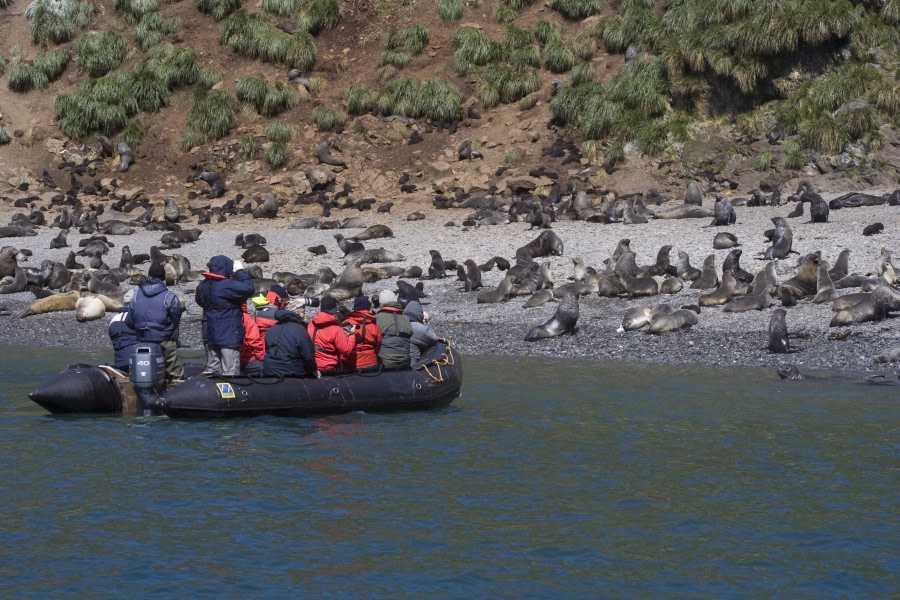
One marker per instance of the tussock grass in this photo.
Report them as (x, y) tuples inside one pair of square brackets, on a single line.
[(359, 130), (209, 77), (511, 158), (211, 118), (52, 22), (511, 83), (583, 47), (150, 90), (267, 99), (5, 138), (327, 119), (589, 149), (504, 14), (313, 16), (395, 58), (576, 9), (253, 37), (277, 155), (101, 106), (279, 132), (360, 99), (152, 28), (582, 73), (558, 58), (435, 99), (252, 90), (134, 133), (133, 11), (794, 157), (473, 47), (177, 66), (615, 153), (764, 161), (858, 121), (249, 147), (317, 85), (823, 134), (218, 9), (450, 10), (100, 53), (546, 31), (46, 67)]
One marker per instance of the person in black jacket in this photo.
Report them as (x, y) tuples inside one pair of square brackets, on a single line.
[(289, 351), (221, 295), (154, 313)]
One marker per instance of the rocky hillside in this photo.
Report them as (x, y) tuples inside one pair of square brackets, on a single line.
[(639, 93)]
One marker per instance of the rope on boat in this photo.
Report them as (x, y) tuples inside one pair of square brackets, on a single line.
[(446, 358)]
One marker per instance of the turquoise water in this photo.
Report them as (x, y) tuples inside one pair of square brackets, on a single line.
[(545, 479)]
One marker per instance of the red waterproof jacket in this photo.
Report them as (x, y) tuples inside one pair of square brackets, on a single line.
[(253, 346), (368, 340), (333, 345)]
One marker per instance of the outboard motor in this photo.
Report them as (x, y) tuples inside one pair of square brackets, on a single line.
[(147, 369)]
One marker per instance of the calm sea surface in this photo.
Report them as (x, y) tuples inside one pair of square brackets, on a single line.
[(544, 480)]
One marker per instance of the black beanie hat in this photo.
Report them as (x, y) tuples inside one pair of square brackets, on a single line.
[(156, 271), (328, 304)]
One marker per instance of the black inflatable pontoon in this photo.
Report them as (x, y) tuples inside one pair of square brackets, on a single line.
[(86, 388)]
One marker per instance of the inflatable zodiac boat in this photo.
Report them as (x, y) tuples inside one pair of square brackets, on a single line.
[(103, 389)]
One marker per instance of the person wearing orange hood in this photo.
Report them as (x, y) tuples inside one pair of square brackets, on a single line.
[(333, 344), (368, 337)]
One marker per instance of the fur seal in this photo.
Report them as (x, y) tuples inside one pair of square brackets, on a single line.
[(472, 279), (60, 240), (678, 320), (671, 286), (778, 334), (171, 212), (12, 284), (215, 182), (684, 269), (348, 246), (804, 283), (874, 307), (723, 212), (635, 318), (126, 157), (499, 294), (54, 303), (538, 298), (255, 254), (708, 277), (782, 240), (373, 232), (693, 195), (563, 321), (725, 240), (684, 211), (437, 269), (465, 151), (15, 231), (349, 283), (374, 255), (841, 266), (323, 153), (722, 294), (268, 209), (889, 355), (855, 200), (545, 244), (185, 236), (873, 229), (825, 291), (662, 266)]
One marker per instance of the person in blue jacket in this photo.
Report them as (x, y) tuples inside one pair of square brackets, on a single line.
[(289, 350), (154, 313), (224, 289), (123, 339)]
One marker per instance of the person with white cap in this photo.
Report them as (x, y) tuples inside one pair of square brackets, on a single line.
[(122, 336), (396, 331)]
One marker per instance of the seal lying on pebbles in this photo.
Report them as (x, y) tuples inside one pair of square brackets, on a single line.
[(874, 307), (348, 246), (54, 303), (889, 355), (499, 294), (373, 232), (563, 321), (725, 240), (12, 284), (538, 298), (678, 320)]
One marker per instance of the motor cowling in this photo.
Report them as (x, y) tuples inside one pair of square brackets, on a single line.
[(147, 370)]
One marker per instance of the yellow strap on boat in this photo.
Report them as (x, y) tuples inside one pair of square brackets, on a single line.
[(446, 358)]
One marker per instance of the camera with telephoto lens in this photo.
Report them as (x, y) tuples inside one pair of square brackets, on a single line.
[(303, 302)]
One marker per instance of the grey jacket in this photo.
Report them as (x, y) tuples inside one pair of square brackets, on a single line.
[(396, 331), (423, 336)]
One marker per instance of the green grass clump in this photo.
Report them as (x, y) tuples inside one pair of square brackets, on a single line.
[(583, 47), (56, 22), (435, 99), (504, 14), (360, 99), (450, 10), (400, 45), (326, 118), (5, 138), (249, 147), (100, 53), (152, 28), (279, 132), (134, 133), (582, 73), (132, 11), (177, 66), (510, 83), (528, 102), (209, 77), (150, 90), (253, 37), (46, 67), (218, 9), (794, 157), (211, 117), (763, 162), (100, 106), (395, 58), (277, 154), (312, 16), (546, 31), (558, 58), (473, 47), (267, 99)]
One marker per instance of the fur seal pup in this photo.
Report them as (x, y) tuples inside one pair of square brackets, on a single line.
[(684, 269), (804, 283), (472, 279), (875, 307), (756, 300), (579, 288), (126, 157), (323, 153), (725, 240), (578, 270), (437, 269), (60, 240), (184, 236), (89, 308), (678, 320), (662, 266), (825, 291), (847, 300), (889, 355), (563, 321), (318, 250), (373, 232), (873, 229), (818, 208), (255, 254), (171, 212), (545, 244), (499, 294), (671, 286), (782, 240), (708, 277), (268, 209), (635, 318), (723, 212), (413, 272), (53, 303), (374, 255), (538, 298), (127, 260), (348, 246), (15, 231), (722, 294), (789, 372), (732, 263), (841, 266), (778, 333), (796, 212), (465, 151)]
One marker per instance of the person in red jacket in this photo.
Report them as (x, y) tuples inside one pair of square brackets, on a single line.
[(333, 344), (368, 337), (253, 348)]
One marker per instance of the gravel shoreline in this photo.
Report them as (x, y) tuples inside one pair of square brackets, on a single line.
[(725, 339)]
